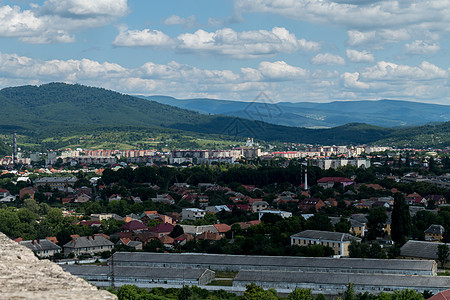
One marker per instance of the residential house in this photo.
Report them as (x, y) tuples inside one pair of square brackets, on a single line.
[(82, 198), (137, 245), (338, 241), (162, 229), (197, 230), (42, 248), (163, 198), (419, 200), (88, 245), (114, 197), (217, 208), (27, 192), (4, 193), (222, 229), (437, 199), (210, 236), (192, 214), (434, 233), (283, 214), (105, 216), (134, 226), (259, 206), (311, 204)]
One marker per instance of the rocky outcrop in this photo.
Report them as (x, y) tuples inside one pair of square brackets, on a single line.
[(24, 276)]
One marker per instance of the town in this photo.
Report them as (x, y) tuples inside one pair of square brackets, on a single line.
[(384, 208)]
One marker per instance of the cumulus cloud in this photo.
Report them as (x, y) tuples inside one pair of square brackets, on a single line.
[(144, 38), (56, 20), (241, 45), (376, 38), (356, 14), (391, 71), (359, 56), (422, 47), (190, 21), (280, 70), (278, 78), (327, 59)]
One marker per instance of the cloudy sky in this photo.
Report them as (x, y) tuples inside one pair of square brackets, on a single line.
[(292, 50)]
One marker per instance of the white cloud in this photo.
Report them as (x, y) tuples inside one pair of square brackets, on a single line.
[(359, 57), (280, 70), (391, 71), (85, 8), (351, 81), (279, 79), (376, 38), (190, 21), (241, 45), (422, 47), (356, 14), (327, 59), (145, 38), (56, 20)]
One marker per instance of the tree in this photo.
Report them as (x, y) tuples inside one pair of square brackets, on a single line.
[(442, 253), (254, 292), (301, 294), (375, 221), (176, 231), (343, 225), (349, 293), (401, 220)]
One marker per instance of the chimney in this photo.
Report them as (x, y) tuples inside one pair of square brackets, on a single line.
[(32, 242)]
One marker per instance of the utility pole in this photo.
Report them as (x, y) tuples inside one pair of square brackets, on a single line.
[(15, 148)]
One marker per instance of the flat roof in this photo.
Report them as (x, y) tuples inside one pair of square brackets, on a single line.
[(274, 261)]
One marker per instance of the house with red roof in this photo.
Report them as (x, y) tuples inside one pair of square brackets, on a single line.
[(222, 229), (311, 203), (134, 225), (162, 229), (329, 182)]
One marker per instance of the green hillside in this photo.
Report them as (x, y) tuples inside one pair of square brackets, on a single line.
[(59, 114)]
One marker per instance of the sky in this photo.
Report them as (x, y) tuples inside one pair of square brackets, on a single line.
[(290, 50)]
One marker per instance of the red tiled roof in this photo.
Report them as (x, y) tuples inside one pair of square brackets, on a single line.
[(445, 295), (134, 225), (162, 227), (222, 228), (334, 179)]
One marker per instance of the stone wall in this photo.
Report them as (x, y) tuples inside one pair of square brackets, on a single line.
[(24, 276)]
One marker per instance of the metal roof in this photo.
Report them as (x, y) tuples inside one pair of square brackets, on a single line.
[(420, 249), (273, 261), (412, 281), (146, 272), (325, 235), (88, 241)]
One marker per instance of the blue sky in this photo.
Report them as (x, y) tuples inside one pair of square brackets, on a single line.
[(292, 50)]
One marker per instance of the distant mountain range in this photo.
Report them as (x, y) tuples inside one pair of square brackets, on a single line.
[(56, 110), (386, 113)]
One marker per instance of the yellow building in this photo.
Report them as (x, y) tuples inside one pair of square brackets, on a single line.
[(337, 241)]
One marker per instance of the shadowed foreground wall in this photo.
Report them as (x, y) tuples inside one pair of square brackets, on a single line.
[(24, 276)]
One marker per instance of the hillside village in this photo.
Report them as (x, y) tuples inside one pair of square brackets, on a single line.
[(392, 207)]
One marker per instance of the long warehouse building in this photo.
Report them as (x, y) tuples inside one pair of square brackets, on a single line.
[(234, 263)]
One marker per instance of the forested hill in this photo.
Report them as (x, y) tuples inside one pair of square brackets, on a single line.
[(386, 113), (58, 108)]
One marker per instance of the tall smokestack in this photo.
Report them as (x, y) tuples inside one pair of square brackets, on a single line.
[(15, 148), (306, 178)]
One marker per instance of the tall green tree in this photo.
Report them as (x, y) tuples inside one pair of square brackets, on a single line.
[(401, 220), (375, 222), (442, 253)]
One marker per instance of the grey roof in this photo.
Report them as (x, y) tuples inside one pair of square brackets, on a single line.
[(88, 242), (45, 180), (40, 245), (326, 236), (256, 203), (133, 272), (141, 258), (412, 281), (360, 218), (420, 249), (435, 229), (353, 222)]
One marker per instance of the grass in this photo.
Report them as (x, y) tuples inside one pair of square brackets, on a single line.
[(224, 274), (221, 282)]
